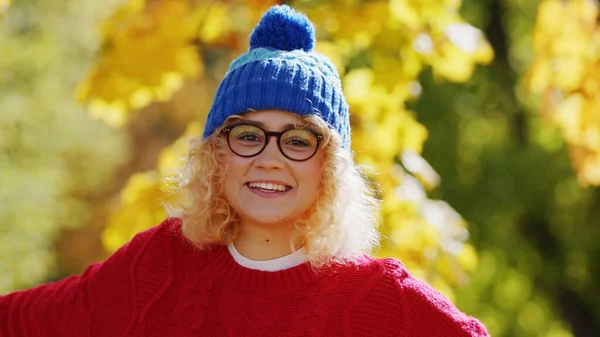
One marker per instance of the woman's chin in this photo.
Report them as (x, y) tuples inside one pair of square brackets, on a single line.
[(269, 218)]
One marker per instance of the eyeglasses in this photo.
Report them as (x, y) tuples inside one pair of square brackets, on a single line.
[(247, 140)]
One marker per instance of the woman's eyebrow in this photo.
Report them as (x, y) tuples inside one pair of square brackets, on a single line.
[(251, 122), (262, 125)]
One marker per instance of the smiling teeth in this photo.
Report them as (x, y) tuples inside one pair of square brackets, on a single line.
[(268, 186)]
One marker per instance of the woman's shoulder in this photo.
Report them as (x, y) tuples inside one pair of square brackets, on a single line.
[(366, 266), (167, 235), (415, 306), (373, 282), (164, 244), (146, 261), (167, 228)]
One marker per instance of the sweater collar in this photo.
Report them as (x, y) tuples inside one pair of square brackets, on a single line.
[(288, 261), (301, 275)]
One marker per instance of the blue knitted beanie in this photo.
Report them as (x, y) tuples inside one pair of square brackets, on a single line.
[(281, 71)]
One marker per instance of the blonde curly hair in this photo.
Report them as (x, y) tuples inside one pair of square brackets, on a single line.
[(340, 225)]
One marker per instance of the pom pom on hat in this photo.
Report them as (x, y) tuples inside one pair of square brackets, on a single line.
[(283, 28)]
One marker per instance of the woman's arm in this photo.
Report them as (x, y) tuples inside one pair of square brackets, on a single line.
[(100, 302), (391, 302), (58, 309), (429, 313)]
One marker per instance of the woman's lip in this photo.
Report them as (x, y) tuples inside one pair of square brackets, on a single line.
[(277, 182), (264, 194)]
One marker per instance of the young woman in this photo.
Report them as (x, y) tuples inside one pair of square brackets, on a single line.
[(268, 237)]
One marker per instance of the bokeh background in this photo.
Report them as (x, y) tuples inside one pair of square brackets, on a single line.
[(480, 120)]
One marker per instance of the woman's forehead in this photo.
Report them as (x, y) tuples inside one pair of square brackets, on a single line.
[(272, 118)]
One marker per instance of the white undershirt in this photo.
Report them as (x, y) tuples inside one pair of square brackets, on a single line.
[(292, 260)]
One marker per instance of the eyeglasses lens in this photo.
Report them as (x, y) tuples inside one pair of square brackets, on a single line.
[(296, 144)]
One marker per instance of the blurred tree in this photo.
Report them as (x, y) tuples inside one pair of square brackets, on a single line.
[(54, 160), (506, 170), (566, 70), (4, 6)]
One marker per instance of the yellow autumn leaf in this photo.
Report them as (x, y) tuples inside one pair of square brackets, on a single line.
[(357, 85), (565, 71), (140, 208), (171, 158), (405, 12), (141, 202), (453, 63), (414, 134), (334, 53), (213, 28), (569, 118), (148, 55), (4, 4), (537, 80), (468, 257), (412, 64)]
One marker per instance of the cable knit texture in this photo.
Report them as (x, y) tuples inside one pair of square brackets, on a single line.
[(160, 285)]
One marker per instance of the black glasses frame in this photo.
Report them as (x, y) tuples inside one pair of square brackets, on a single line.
[(268, 135)]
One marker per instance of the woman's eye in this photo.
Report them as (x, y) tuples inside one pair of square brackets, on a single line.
[(249, 137), (298, 142)]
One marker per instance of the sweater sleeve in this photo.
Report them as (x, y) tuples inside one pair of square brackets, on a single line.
[(78, 305), (429, 313)]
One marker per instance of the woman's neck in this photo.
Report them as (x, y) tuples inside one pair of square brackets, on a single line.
[(261, 243)]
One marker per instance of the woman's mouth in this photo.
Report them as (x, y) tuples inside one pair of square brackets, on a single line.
[(265, 189)]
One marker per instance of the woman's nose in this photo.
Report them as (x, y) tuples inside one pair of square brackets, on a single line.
[(271, 156)]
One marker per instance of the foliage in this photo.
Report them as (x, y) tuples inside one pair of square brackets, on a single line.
[(4, 6), (147, 56), (507, 171), (381, 75), (141, 199), (566, 71), (53, 159)]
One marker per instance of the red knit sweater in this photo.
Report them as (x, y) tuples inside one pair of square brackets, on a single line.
[(160, 285)]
